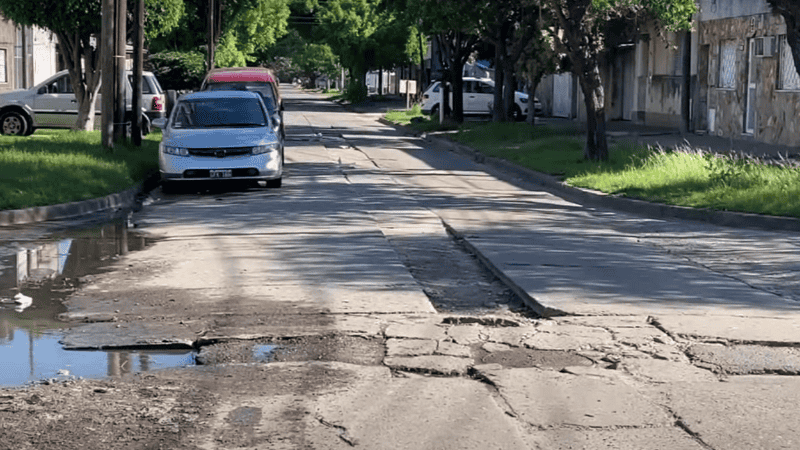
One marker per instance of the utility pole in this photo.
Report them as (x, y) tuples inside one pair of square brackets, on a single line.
[(138, 56), (107, 74), (120, 132), (211, 34)]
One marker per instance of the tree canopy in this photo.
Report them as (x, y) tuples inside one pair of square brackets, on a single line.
[(364, 35), (75, 23)]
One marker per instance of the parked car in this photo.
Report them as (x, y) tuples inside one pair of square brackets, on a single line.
[(256, 79), (52, 104), (478, 99), (220, 135)]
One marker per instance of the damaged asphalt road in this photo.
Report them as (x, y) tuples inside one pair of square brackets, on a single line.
[(338, 312)]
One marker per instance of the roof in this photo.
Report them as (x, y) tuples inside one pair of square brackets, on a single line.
[(233, 74), (203, 95)]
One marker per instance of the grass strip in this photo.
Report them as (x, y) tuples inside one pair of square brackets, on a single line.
[(682, 177), (60, 166)]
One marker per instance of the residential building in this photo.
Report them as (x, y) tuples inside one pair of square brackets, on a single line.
[(27, 55), (742, 82), (747, 84)]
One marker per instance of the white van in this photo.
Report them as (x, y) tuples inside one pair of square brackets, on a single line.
[(478, 99)]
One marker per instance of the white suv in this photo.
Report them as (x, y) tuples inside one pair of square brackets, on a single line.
[(52, 104), (478, 99)]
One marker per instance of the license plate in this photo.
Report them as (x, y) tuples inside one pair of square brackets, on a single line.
[(227, 173)]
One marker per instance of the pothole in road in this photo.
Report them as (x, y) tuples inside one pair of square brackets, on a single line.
[(34, 279), (334, 347), (485, 321), (518, 357), (454, 280)]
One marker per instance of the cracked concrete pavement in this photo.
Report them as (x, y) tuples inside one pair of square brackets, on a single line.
[(657, 333)]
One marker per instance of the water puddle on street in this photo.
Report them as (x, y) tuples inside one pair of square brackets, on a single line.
[(34, 279)]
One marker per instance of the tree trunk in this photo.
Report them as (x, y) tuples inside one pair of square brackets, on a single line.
[(499, 114), (380, 81), (594, 98), (458, 92), (531, 118), (86, 83), (509, 88)]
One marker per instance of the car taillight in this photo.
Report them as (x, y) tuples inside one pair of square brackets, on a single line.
[(158, 104)]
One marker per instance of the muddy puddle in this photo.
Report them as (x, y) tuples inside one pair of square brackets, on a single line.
[(35, 276)]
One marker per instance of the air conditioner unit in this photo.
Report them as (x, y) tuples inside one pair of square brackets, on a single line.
[(765, 47)]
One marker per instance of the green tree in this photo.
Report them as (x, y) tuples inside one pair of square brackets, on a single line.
[(251, 30), (580, 30), (510, 25), (349, 28), (75, 23), (246, 28), (453, 25), (315, 60)]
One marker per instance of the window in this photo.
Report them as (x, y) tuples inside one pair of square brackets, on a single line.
[(727, 64), (485, 88), (3, 71), (788, 78), (145, 85)]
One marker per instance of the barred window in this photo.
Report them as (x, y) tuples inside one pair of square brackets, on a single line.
[(788, 78), (727, 64), (3, 66)]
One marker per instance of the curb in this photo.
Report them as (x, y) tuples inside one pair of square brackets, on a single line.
[(616, 202), (122, 200)]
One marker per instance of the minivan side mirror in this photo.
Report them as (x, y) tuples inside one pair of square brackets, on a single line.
[(160, 123)]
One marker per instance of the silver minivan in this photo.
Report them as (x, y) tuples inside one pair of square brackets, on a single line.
[(52, 104)]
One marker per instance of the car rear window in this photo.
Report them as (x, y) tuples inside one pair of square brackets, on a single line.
[(265, 89), (226, 112), (149, 85)]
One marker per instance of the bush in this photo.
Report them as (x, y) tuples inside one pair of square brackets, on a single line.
[(179, 70)]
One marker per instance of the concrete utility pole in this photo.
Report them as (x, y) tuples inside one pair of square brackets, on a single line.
[(113, 41), (107, 74), (211, 34), (120, 132), (138, 56)]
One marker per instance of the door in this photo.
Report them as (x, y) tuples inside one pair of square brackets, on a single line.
[(55, 104), (484, 96), (470, 100), (750, 107), (562, 95)]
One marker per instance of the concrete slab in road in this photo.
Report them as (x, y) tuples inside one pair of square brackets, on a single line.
[(743, 413), (614, 275), (418, 412), (552, 399)]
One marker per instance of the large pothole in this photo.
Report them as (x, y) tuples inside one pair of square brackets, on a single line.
[(359, 350)]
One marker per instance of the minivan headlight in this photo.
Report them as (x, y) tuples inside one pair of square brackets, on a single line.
[(273, 147), (523, 99), (177, 151)]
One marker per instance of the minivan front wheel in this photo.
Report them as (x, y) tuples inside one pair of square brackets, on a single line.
[(13, 124)]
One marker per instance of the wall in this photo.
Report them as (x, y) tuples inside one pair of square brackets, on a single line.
[(775, 110), (660, 79), (44, 55), (8, 35), (725, 9)]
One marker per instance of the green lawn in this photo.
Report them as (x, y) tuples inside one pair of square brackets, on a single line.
[(59, 166), (685, 177)]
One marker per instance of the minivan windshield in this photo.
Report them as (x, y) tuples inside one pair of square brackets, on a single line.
[(217, 113), (265, 89)]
